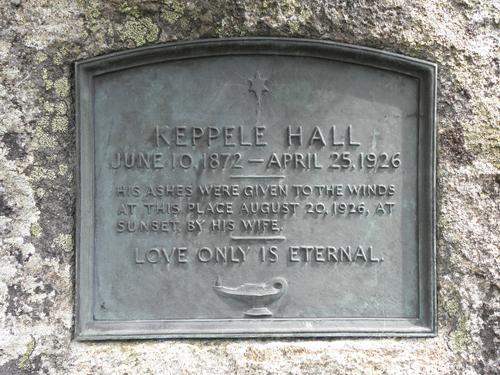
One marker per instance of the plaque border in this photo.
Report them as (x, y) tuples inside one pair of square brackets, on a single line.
[(87, 328)]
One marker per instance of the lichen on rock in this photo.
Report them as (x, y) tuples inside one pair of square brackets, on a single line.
[(139, 30)]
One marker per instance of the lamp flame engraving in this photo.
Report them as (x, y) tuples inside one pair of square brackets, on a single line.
[(257, 295)]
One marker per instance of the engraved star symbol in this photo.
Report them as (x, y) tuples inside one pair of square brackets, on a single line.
[(258, 86)]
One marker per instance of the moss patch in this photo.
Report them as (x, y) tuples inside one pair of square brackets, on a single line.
[(25, 358), (36, 230), (62, 87), (172, 11), (60, 123), (460, 339), (140, 30), (64, 242)]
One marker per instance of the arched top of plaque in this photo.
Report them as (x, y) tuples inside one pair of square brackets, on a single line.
[(262, 46), (255, 187)]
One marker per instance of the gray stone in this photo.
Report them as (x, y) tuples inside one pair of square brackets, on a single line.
[(39, 42)]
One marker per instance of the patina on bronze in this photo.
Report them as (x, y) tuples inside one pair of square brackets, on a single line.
[(255, 187)]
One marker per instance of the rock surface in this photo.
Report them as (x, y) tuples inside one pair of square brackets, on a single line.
[(39, 41)]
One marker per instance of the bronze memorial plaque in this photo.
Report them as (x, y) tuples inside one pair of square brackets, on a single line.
[(255, 187)]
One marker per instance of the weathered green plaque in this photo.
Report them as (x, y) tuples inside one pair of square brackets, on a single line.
[(255, 187)]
